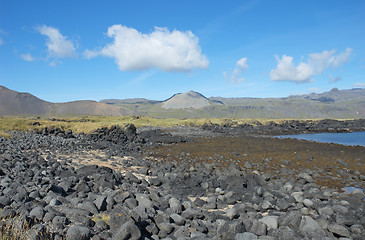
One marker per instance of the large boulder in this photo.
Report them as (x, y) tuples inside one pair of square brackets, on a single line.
[(309, 228), (78, 233), (128, 230)]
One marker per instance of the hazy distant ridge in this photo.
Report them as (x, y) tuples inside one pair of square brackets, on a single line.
[(333, 104)]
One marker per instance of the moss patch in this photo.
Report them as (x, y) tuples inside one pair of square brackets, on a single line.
[(104, 217)]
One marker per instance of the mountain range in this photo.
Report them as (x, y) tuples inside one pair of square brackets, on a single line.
[(18, 103), (332, 104)]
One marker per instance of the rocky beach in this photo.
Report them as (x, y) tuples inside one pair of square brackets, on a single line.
[(209, 182)]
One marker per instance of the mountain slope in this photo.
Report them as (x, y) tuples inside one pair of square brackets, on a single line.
[(89, 107), (335, 95), (189, 99), (15, 103)]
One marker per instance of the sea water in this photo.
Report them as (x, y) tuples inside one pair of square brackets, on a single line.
[(350, 139)]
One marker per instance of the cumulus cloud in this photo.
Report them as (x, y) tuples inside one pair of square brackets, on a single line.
[(27, 57), (286, 70), (360, 84), (58, 45), (166, 50), (328, 59), (235, 76)]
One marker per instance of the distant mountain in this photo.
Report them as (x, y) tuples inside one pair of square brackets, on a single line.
[(16, 103), (129, 101), (334, 95), (325, 97), (88, 107), (189, 99), (333, 104)]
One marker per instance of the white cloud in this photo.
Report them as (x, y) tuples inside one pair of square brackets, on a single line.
[(305, 71), (90, 54), (1, 41), (327, 59), (27, 57), (162, 49), (58, 45), (314, 90), (340, 59), (287, 71), (235, 76), (360, 84)]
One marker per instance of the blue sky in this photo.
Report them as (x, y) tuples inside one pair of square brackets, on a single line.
[(72, 50)]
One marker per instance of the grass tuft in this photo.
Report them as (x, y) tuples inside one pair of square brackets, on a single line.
[(23, 228), (14, 228), (4, 134)]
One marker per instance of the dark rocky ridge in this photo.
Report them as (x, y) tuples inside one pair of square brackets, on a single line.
[(45, 178), (289, 127)]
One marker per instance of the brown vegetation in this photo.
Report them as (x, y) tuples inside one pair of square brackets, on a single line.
[(281, 157)]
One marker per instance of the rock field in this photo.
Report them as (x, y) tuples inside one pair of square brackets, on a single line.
[(116, 184)]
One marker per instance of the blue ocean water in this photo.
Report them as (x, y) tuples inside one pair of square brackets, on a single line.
[(350, 139)]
